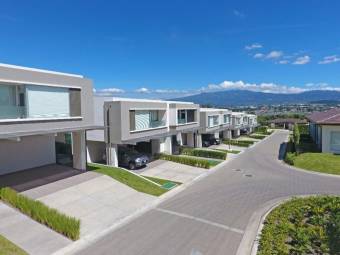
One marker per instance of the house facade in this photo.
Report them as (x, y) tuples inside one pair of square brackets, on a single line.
[(151, 126), (324, 128), (44, 116)]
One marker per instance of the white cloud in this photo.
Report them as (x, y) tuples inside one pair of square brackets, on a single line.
[(108, 91), (261, 87), (330, 59), (302, 60), (239, 14), (253, 46), (258, 55), (274, 54), (143, 90), (283, 62)]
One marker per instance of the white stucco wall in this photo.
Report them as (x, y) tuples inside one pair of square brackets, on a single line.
[(31, 151), (95, 151), (326, 137)]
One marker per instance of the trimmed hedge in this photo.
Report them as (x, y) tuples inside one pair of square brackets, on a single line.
[(257, 136), (203, 163), (241, 143), (303, 226), (204, 153), (59, 222)]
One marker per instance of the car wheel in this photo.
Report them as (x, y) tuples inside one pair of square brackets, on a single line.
[(132, 166)]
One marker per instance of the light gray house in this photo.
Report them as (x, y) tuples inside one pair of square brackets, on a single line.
[(324, 128), (44, 116), (151, 126), (215, 122)]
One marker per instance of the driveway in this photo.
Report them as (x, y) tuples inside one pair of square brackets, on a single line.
[(97, 200), (171, 171), (211, 216)]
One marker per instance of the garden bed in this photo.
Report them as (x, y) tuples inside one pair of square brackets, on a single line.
[(59, 222), (7, 247), (205, 153), (191, 161), (303, 226)]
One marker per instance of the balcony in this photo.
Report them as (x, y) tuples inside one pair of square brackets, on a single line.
[(12, 112)]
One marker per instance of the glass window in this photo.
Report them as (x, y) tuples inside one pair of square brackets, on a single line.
[(335, 141)]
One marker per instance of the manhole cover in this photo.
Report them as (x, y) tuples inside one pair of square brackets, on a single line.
[(237, 170), (248, 175)]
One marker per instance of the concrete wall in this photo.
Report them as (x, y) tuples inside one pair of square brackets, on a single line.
[(119, 121), (18, 75), (326, 137), (31, 151), (96, 151)]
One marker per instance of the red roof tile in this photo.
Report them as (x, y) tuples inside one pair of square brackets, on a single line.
[(331, 116)]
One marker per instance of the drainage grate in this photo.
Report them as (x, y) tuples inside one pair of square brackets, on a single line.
[(248, 175), (238, 170), (169, 185)]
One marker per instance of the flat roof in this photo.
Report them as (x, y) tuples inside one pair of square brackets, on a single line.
[(126, 99), (39, 70)]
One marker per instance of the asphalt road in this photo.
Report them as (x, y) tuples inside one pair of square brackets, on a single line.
[(210, 217)]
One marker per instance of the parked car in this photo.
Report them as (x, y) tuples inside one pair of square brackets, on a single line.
[(131, 159), (211, 141)]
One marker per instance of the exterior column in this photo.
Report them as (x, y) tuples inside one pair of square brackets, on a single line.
[(79, 150), (168, 145), (198, 140), (227, 134), (179, 139), (112, 155), (190, 139), (155, 146), (217, 135)]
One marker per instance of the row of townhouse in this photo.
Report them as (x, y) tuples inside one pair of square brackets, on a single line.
[(53, 118)]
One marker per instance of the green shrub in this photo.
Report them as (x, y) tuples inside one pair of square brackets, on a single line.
[(257, 136), (61, 223), (204, 153), (241, 143), (289, 158), (303, 128), (261, 129), (296, 135), (303, 226), (203, 163)]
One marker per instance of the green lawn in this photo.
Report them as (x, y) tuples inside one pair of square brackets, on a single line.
[(303, 226), (128, 179), (160, 181), (319, 162), (9, 248)]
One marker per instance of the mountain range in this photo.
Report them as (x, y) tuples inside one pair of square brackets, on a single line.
[(229, 98)]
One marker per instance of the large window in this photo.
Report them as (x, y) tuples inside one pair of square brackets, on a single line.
[(35, 101), (213, 121), (226, 118), (335, 141), (47, 102), (146, 119), (185, 116)]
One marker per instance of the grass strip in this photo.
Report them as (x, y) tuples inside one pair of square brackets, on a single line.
[(9, 248), (129, 179), (229, 151), (59, 222)]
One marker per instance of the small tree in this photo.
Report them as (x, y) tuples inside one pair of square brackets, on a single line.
[(296, 134)]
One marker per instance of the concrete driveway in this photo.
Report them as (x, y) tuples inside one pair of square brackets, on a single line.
[(211, 216), (171, 171), (97, 200)]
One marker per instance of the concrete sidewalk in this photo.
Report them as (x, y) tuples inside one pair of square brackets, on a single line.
[(28, 234), (172, 171)]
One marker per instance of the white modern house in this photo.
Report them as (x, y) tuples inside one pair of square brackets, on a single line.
[(324, 128), (150, 126), (216, 122), (44, 116)]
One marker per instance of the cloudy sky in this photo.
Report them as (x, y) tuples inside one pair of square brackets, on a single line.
[(166, 49)]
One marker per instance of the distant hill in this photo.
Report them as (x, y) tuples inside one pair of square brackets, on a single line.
[(247, 98)]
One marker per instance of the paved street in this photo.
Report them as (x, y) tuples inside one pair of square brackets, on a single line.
[(210, 217)]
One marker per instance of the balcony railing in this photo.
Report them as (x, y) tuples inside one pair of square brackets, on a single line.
[(12, 112)]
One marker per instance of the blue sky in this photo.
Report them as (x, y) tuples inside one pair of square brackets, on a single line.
[(162, 49)]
